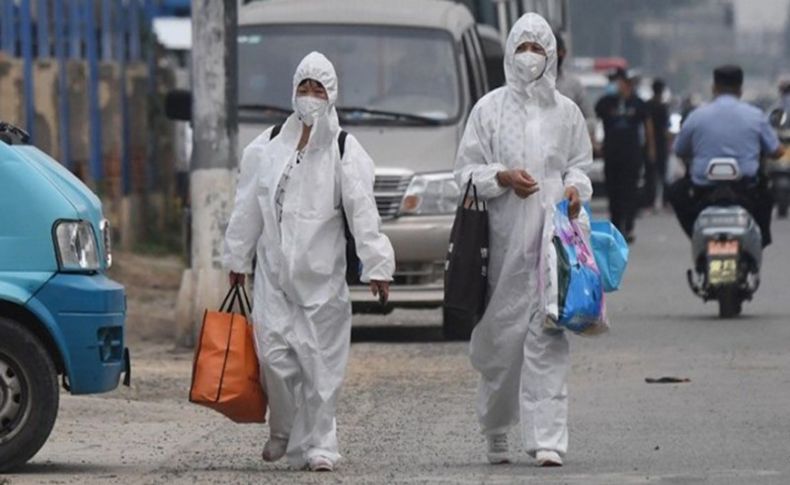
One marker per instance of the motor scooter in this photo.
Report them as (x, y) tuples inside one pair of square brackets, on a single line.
[(726, 244)]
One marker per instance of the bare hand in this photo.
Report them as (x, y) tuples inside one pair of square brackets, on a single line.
[(380, 289), (575, 202), (519, 180), (236, 279)]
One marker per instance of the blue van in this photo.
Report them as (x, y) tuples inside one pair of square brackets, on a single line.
[(59, 313)]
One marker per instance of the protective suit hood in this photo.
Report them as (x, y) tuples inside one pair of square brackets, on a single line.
[(531, 27), (317, 67)]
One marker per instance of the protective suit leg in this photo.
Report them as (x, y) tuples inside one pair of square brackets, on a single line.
[(544, 392), (497, 393), (280, 376), (320, 342)]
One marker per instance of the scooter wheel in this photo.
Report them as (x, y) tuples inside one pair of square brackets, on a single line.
[(729, 302)]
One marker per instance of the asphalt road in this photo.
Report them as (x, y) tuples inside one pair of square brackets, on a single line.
[(406, 414)]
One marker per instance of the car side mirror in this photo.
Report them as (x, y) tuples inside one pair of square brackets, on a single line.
[(178, 105), (777, 118)]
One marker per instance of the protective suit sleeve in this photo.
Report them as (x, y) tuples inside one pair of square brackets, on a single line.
[(374, 249), (246, 220), (475, 158), (579, 156)]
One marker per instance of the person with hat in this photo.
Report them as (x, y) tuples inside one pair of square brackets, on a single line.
[(727, 127), (628, 130)]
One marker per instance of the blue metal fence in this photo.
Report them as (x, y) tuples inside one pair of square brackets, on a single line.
[(78, 33)]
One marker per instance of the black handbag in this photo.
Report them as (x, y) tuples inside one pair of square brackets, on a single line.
[(466, 267)]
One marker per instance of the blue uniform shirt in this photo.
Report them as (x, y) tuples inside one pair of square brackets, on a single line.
[(729, 128)]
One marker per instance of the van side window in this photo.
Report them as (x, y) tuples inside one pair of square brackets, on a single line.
[(494, 56), (476, 43), (472, 71)]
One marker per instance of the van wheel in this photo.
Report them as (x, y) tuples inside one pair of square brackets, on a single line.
[(29, 395), (457, 326), (729, 302)]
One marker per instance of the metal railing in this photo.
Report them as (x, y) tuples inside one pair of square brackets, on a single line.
[(87, 30)]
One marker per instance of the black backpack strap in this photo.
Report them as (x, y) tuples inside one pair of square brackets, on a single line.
[(341, 142), (341, 138), (275, 131)]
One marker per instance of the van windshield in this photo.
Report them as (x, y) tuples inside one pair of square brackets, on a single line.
[(386, 75)]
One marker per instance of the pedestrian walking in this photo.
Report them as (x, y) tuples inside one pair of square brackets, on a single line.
[(525, 148), (297, 185), (656, 169), (627, 129)]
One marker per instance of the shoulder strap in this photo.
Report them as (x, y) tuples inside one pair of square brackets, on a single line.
[(275, 131), (341, 142)]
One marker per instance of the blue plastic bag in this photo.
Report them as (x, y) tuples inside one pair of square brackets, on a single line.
[(611, 253), (580, 288)]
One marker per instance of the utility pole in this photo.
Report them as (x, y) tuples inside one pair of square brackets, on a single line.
[(212, 176)]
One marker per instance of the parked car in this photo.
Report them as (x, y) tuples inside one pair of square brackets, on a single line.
[(410, 72), (59, 313)]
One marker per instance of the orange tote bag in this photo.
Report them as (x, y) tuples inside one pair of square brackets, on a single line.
[(225, 373)]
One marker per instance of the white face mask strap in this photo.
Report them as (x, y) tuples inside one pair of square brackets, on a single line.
[(545, 66)]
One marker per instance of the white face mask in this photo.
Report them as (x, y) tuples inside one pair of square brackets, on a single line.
[(530, 66), (310, 108)]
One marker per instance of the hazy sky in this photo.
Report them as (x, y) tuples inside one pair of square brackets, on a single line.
[(761, 14)]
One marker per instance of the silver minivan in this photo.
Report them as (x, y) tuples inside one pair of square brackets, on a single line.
[(409, 73)]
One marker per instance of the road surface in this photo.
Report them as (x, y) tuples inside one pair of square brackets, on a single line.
[(406, 414)]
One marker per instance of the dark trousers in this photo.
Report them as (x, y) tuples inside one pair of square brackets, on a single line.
[(688, 200), (655, 176), (622, 188)]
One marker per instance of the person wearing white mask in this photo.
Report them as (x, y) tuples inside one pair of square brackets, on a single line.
[(525, 147), (294, 192)]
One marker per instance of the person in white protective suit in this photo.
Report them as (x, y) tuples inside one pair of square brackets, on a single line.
[(293, 191), (525, 147)]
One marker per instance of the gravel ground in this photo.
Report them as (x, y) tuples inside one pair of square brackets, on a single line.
[(406, 413)]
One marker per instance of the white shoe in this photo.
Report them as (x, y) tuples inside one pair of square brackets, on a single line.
[(320, 463), (274, 449), (548, 458), (498, 450)]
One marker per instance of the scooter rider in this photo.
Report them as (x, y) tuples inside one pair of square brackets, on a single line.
[(727, 127)]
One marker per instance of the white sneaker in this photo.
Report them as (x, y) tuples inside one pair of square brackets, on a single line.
[(498, 450), (320, 463), (548, 458), (274, 449)]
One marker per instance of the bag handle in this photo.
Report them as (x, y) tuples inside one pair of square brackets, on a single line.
[(232, 296), (237, 292), (470, 185)]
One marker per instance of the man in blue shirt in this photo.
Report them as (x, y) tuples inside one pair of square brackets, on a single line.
[(731, 128)]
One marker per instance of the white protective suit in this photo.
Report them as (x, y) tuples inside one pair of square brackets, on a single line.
[(531, 126), (302, 311)]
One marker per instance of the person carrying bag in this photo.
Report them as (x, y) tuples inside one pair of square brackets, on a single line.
[(225, 372)]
